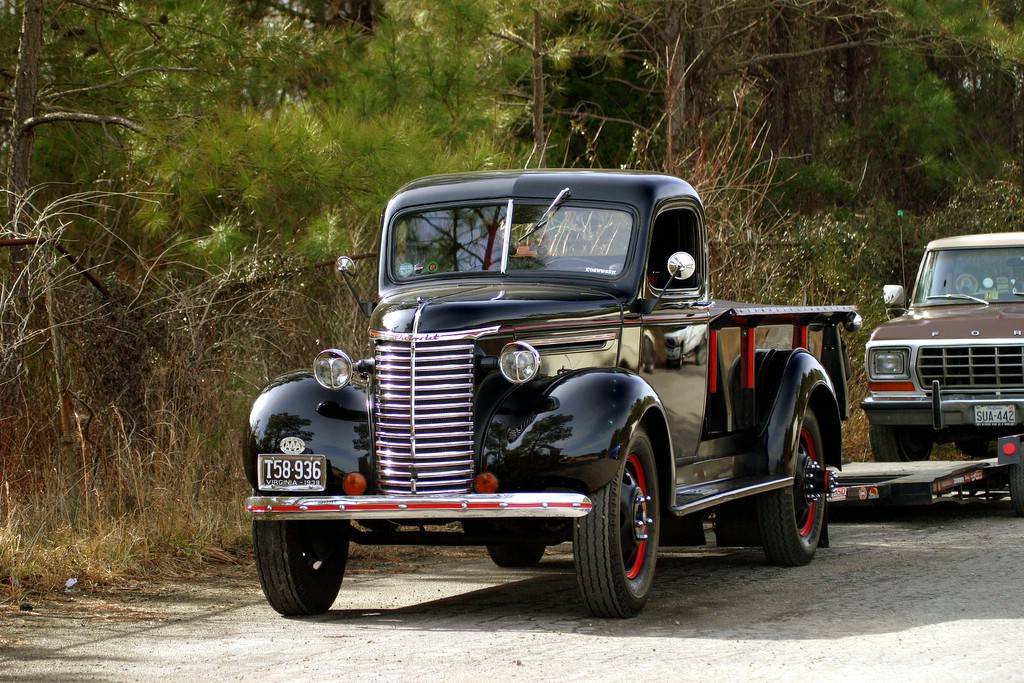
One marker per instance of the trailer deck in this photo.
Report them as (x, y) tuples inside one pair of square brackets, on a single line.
[(920, 483)]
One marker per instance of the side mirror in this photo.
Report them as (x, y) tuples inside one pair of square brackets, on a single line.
[(343, 268), (681, 265), (895, 300), (894, 296), (344, 265)]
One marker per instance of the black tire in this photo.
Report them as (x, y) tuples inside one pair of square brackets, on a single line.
[(614, 568), (790, 526), (901, 444), (977, 450), (515, 555), (1017, 488), (300, 563)]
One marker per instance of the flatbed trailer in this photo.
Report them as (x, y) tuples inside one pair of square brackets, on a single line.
[(883, 484)]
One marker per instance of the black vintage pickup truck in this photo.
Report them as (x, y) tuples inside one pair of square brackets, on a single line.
[(549, 366)]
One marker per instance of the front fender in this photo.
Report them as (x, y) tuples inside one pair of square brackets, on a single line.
[(797, 381), (332, 423), (566, 433)]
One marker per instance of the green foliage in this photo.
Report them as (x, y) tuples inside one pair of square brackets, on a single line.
[(301, 179), (821, 182), (914, 129), (286, 125), (995, 206), (915, 139), (261, 129), (847, 256), (430, 58), (992, 26)]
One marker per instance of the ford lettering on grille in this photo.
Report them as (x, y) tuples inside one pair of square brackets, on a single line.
[(424, 419)]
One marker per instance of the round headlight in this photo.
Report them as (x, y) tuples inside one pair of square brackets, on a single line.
[(332, 369), (519, 362)]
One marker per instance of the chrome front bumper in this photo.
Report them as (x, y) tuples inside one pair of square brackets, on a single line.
[(956, 411), (470, 505)]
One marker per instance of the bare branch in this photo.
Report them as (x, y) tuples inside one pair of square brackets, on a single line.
[(79, 117), (512, 38), (128, 75), (780, 56), (579, 112), (84, 272), (632, 86), (148, 26)]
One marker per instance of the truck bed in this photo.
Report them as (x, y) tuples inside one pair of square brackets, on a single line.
[(739, 313)]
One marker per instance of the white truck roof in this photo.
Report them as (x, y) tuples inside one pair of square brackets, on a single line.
[(994, 239)]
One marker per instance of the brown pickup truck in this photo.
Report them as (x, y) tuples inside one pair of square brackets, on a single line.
[(950, 367)]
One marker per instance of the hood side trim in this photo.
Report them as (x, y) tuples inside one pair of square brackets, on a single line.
[(433, 336)]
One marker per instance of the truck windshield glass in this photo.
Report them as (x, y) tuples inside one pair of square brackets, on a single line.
[(576, 239), (965, 276)]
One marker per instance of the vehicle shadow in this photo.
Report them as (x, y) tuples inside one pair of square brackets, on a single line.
[(887, 571), (113, 632)]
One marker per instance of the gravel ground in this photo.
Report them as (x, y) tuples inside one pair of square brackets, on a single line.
[(931, 595)]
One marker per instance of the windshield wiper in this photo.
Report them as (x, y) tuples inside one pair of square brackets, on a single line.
[(958, 296), (560, 199)]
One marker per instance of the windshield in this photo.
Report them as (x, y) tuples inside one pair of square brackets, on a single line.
[(963, 276), (474, 239)]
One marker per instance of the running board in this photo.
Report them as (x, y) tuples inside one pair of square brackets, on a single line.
[(697, 497)]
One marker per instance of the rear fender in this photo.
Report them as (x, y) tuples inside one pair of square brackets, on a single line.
[(797, 381), (331, 423), (571, 432)]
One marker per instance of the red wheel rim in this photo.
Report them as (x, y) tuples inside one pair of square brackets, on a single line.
[(805, 521), (636, 469)]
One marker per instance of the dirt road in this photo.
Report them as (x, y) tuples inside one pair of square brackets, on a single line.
[(934, 595)]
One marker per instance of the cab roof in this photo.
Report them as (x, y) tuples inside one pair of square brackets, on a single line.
[(994, 239), (639, 188)]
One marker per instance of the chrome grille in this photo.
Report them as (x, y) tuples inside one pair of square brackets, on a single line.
[(982, 366), (424, 419)]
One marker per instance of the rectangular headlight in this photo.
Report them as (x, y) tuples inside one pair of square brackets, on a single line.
[(889, 364)]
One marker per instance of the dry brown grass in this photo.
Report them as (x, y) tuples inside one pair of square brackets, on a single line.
[(121, 417), (150, 479)]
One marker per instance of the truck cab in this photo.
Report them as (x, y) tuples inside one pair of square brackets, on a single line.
[(949, 367), (549, 366)]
